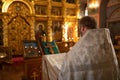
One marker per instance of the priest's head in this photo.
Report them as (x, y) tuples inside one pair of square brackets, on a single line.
[(86, 23)]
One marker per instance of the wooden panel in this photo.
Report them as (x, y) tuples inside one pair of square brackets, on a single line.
[(33, 68)]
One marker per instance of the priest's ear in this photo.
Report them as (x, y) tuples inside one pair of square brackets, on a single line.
[(83, 29)]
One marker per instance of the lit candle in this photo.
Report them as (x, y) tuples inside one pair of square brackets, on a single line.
[(25, 46), (35, 47), (66, 31), (38, 51), (31, 46)]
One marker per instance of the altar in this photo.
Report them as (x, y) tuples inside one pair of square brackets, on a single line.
[(52, 66)]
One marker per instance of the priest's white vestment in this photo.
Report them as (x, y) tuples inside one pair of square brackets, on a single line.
[(91, 58)]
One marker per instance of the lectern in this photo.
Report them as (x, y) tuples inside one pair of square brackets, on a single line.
[(32, 60)]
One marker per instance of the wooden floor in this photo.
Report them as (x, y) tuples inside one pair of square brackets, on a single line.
[(11, 72)]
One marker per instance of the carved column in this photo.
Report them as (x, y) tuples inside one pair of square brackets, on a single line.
[(64, 31), (32, 21), (76, 32), (5, 29), (49, 28), (64, 8), (32, 30), (77, 16), (77, 8), (64, 20)]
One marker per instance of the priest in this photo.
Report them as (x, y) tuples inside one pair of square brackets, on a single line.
[(92, 57)]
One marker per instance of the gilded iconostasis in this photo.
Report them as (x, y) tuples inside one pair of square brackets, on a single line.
[(19, 21)]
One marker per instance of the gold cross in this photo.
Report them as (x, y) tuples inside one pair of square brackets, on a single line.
[(50, 48), (34, 76)]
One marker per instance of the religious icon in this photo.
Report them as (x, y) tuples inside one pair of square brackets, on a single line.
[(40, 33), (57, 31), (31, 49), (50, 47)]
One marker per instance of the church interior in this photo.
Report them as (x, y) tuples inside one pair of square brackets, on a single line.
[(30, 29)]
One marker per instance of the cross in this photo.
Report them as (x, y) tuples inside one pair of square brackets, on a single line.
[(34, 76), (50, 48)]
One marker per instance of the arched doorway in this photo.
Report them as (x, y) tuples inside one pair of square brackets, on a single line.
[(113, 23)]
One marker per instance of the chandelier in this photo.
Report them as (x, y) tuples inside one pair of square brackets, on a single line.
[(93, 4)]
